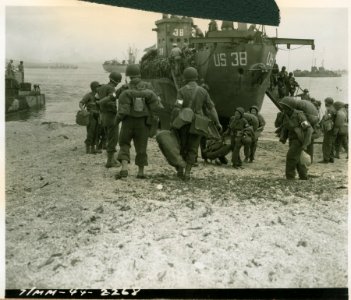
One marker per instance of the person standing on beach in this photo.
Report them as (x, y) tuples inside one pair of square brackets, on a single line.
[(340, 130), (327, 125), (196, 98), (89, 103), (135, 108), (261, 124), (108, 94), (299, 134)]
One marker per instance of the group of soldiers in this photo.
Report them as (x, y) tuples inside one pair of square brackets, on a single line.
[(10, 70), (137, 104), (301, 133)]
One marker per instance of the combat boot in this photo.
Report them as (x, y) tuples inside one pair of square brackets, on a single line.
[(87, 149), (111, 162), (93, 150), (186, 176)]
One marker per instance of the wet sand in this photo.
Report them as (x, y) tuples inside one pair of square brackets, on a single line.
[(70, 224)]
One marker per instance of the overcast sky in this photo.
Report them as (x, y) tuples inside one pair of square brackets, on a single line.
[(92, 32)]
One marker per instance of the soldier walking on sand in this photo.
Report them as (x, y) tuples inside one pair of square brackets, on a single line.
[(198, 100), (108, 94), (327, 125), (261, 125), (236, 128), (135, 108), (89, 103), (299, 134), (340, 129)]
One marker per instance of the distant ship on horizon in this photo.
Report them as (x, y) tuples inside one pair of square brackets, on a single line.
[(115, 65), (316, 72)]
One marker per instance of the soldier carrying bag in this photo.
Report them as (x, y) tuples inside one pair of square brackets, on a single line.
[(82, 117)]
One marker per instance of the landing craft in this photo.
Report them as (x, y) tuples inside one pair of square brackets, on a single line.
[(236, 64)]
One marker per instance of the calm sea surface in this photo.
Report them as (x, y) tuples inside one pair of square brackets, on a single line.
[(64, 88)]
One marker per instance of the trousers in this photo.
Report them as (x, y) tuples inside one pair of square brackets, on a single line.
[(293, 161), (136, 130)]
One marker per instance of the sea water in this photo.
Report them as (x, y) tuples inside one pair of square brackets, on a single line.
[(64, 88)]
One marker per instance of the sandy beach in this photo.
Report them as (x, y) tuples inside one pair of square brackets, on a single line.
[(69, 223)]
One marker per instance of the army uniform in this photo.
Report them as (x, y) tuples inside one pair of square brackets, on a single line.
[(299, 134), (327, 124), (237, 125), (197, 98), (257, 133), (89, 102), (134, 109), (340, 129), (108, 111)]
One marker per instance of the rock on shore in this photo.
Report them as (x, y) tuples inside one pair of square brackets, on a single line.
[(69, 223)]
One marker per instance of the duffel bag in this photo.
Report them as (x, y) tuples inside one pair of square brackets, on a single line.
[(82, 117), (306, 106), (170, 148)]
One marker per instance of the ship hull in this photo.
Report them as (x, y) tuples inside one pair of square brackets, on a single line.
[(114, 68), (238, 76)]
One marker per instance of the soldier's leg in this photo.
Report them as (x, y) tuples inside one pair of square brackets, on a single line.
[(327, 146), (193, 143), (125, 138), (247, 151), (343, 141), (236, 161), (337, 145), (253, 149), (140, 140), (310, 149), (292, 158)]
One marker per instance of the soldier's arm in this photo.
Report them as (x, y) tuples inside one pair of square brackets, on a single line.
[(153, 102), (124, 104), (84, 101)]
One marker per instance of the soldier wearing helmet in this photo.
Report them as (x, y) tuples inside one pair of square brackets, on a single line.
[(108, 95), (261, 123), (196, 98), (175, 58), (305, 95), (89, 103), (327, 125), (137, 106), (299, 133), (340, 130), (292, 84), (237, 126)]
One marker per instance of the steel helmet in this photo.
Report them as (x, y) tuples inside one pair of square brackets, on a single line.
[(290, 74), (190, 74), (328, 101), (305, 91), (175, 45), (115, 76), (254, 107), (133, 70), (94, 85), (240, 110)]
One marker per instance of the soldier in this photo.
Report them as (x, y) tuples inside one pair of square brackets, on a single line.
[(282, 83), (20, 68), (135, 107), (237, 125), (299, 134), (227, 25), (340, 130), (292, 84), (198, 32), (197, 98), (327, 125), (212, 26), (175, 58), (305, 95), (9, 69), (249, 145), (108, 94), (261, 125), (89, 103)]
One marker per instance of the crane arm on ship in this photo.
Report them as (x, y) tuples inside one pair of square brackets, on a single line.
[(289, 42)]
